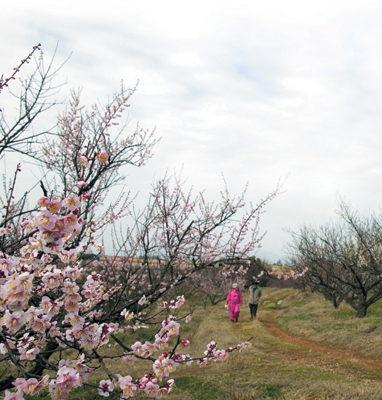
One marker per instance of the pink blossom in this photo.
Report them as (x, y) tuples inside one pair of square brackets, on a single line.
[(60, 226), (176, 357), (147, 349), (43, 201), (75, 320), (151, 389), (144, 379), (71, 220), (246, 345), (81, 184), (19, 290), (220, 355), (84, 160), (72, 202), (102, 157), (45, 220), (143, 301), (7, 265), (28, 355), (202, 362), (172, 329), (13, 396), (170, 384), (67, 377), (128, 388), (187, 358), (19, 384), (72, 306), (129, 359), (137, 348), (53, 279), (73, 273), (105, 387), (54, 206), (162, 392), (100, 248), (211, 345), (4, 231), (163, 366), (3, 349), (40, 324), (128, 315), (32, 386), (179, 302), (54, 331), (161, 343), (70, 287), (67, 256)]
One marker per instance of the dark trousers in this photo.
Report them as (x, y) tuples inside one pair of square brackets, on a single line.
[(253, 309)]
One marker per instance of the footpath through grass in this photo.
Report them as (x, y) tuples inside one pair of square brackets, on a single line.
[(273, 368), (310, 316)]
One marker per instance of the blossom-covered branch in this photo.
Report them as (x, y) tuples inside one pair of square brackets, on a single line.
[(51, 300)]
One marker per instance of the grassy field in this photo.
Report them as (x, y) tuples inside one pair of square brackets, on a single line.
[(274, 368), (310, 316)]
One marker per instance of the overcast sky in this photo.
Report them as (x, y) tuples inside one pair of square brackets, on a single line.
[(253, 90)]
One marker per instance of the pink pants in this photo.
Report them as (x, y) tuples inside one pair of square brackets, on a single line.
[(234, 312)]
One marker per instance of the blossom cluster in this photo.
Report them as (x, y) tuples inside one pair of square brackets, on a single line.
[(129, 387), (51, 302), (43, 303), (163, 365), (45, 306), (292, 275), (220, 355)]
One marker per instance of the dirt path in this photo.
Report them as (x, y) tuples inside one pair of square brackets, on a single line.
[(271, 325)]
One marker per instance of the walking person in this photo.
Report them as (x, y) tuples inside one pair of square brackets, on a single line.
[(234, 299), (254, 298)]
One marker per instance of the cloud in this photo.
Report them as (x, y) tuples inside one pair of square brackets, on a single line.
[(251, 90)]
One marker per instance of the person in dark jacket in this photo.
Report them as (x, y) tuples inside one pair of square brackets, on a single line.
[(254, 298)]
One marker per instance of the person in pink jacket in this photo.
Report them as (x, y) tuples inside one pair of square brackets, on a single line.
[(234, 299)]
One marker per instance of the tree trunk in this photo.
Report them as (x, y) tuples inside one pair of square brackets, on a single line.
[(361, 310)]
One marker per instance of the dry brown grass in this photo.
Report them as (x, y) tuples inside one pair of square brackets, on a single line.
[(310, 316), (273, 368)]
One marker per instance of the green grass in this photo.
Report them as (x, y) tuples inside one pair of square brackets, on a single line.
[(271, 391), (300, 303), (346, 314), (200, 389), (301, 317), (273, 368), (311, 317)]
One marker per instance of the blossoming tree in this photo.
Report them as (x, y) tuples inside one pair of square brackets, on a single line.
[(51, 302)]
